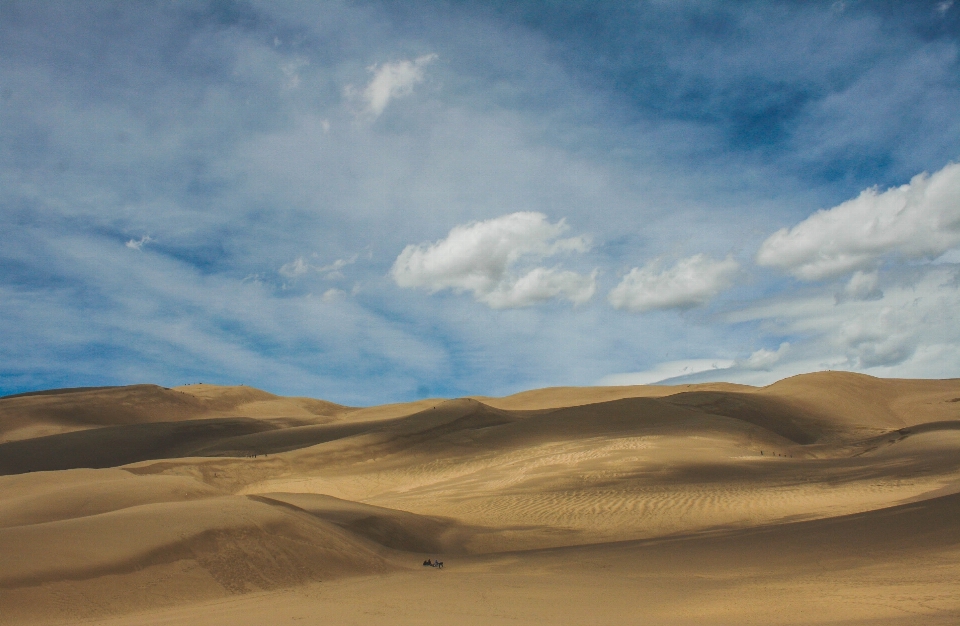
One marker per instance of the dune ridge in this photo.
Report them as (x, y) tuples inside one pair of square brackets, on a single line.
[(56, 411), (141, 502)]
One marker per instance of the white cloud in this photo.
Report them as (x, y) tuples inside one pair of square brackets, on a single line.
[(300, 266), (333, 270), (333, 294), (137, 244), (666, 371), (763, 359), (390, 81), (479, 257), (885, 338), (914, 314), (861, 286), (917, 220), (295, 268), (700, 369), (690, 282), (542, 284)]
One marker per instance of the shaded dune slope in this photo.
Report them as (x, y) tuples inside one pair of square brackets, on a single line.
[(111, 446), (243, 544), (28, 415), (390, 528)]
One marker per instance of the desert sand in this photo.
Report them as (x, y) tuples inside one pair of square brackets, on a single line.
[(828, 498)]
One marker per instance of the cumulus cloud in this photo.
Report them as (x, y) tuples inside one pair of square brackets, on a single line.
[(390, 81), (541, 284), (886, 338), (480, 257), (690, 282), (917, 220), (763, 359)]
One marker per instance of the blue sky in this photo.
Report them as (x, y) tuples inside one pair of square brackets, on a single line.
[(379, 201)]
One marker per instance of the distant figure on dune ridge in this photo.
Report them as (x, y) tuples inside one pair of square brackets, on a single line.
[(431, 563)]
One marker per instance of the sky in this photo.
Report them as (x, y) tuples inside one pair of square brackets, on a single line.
[(379, 201)]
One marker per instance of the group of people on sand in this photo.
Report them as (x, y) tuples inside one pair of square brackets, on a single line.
[(433, 563)]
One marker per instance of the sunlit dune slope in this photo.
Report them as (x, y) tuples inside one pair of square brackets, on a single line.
[(41, 497), (243, 543), (862, 401)]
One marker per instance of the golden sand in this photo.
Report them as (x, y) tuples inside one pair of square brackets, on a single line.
[(828, 498)]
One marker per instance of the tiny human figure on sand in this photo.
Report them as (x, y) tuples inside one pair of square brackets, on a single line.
[(433, 563)]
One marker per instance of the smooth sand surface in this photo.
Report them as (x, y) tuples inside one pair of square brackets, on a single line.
[(828, 498)]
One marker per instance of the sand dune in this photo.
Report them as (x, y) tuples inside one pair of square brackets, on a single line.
[(824, 498), (29, 415)]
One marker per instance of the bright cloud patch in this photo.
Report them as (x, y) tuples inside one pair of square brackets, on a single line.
[(390, 81), (917, 220), (480, 257), (689, 283), (714, 369), (887, 337), (300, 266), (666, 371), (764, 359), (297, 267), (137, 244), (899, 330), (861, 286)]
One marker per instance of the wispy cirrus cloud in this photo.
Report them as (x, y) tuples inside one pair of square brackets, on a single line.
[(667, 371), (300, 266), (137, 244), (390, 81), (701, 369), (481, 257)]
